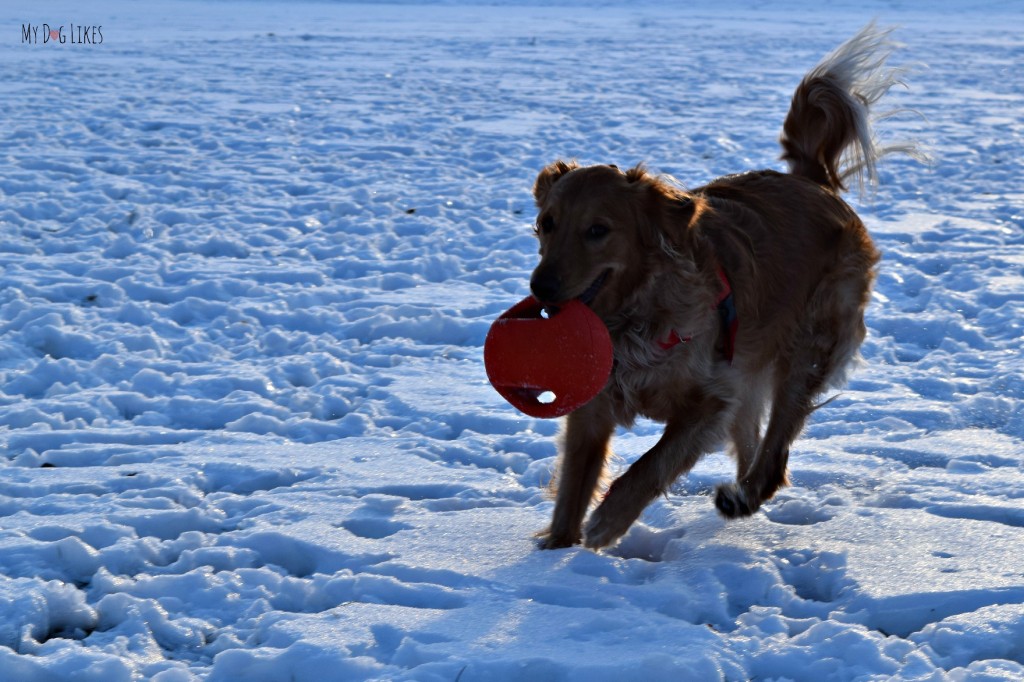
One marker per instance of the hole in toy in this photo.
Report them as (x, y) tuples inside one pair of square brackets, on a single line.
[(546, 398)]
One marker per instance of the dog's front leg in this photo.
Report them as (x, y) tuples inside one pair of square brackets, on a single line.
[(584, 451), (698, 428)]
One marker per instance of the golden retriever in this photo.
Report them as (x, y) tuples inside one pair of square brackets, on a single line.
[(726, 304)]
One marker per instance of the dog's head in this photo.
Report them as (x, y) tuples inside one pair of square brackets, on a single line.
[(604, 232)]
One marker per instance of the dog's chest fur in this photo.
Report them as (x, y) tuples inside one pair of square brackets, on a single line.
[(651, 381)]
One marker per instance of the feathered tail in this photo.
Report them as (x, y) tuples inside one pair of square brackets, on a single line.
[(827, 135)]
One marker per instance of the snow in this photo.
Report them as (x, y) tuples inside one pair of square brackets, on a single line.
[(250, 254)]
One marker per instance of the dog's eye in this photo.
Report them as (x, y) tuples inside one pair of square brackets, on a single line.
[(597, 231), (546, 225)]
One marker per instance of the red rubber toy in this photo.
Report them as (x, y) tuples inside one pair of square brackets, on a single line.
[(548, 366)]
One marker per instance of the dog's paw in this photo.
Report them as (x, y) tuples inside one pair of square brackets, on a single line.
[(732, 502), (548, 540), (603, 529)]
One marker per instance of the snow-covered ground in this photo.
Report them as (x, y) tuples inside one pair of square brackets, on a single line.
[(249, 255)]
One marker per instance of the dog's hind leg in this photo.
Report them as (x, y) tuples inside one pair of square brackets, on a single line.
[(745, 431), (817, 360), (584, 452), (701, 425), (767, 472)]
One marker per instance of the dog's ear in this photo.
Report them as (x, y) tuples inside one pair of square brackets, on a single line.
[(548, 177), (680, 212), (672, 212), (637, 173)]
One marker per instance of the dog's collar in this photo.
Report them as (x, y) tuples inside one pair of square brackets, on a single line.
[(726, 307)]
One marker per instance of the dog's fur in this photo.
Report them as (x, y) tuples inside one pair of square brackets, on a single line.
[(647, 257)]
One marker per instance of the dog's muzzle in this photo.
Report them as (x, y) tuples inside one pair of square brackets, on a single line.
[(546, 286)]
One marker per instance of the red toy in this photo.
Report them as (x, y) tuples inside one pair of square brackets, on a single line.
[(548, 366)]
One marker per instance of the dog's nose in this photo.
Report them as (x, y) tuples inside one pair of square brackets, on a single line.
[(546, 285)]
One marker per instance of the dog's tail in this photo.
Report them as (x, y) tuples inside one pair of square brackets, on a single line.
[(827, 134)]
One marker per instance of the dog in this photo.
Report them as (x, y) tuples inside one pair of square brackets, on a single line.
[(728, 304)]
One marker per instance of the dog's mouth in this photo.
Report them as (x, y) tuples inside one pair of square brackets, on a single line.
[(586, 298), (591, 292)]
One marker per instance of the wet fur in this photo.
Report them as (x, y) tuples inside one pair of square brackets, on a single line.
[(800, 264)]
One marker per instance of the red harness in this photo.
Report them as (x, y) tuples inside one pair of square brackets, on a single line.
[(726, 307)]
